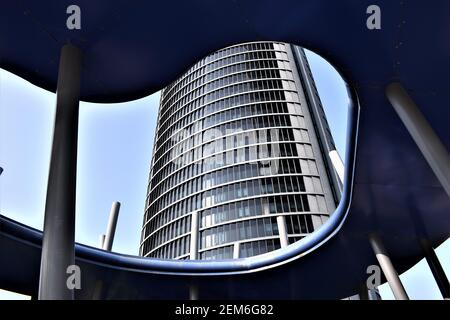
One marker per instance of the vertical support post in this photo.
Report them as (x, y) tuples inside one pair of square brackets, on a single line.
[(106, 243), (193, 292), (388, 269), (101, 241), (282, 230), (58, 244), (98, 287), (436, 269), (363, 292), (236, 248), (112, 223), (423, 134), (193, 249), (193, 252)]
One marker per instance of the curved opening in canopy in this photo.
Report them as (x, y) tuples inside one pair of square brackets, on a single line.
[(249, 145)]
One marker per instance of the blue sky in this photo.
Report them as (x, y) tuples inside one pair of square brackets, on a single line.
[(115, 146)]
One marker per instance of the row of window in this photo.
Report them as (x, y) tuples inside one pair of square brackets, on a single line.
[(232, 211), (243, 189), (171, 250), (194, 72), (299, 224), (293, 239), (246, 249), (254, 248), (233, 89), (179, 121), (198, 147), (209, 127), (173, 174), (191, 130), (242, 230), (291, 203), (247, 111), (254, 46), (226, 103), (217, 253), (296, 224), (197, 121), (286, 166), (228, 174), (266, 152), (266, 186), (202, 86), (248, 229), (245, 124), (170, 231), (233, 135), (251, 229), (185, 105)]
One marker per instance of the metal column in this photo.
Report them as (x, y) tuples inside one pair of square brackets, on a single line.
[(423, 134), (112, 223), (436, 155), (436, 269), (282, 230), (58, 245), (193, 252), (236, 248), (363, 292), (101, 241), (388, 269), (106, 243), (193, 249), (193, 292)]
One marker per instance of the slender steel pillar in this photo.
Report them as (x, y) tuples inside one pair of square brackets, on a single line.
[(193, 252), (388, 269), (193, 292), (423, 134), (193, 249), (111, 231), (282, 230), (58, 250), (106, 243), (436, 269), (236, 249), (101, 241), (363, 292)]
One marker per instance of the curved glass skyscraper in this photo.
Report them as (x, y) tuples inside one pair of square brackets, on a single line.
[(240, 163)]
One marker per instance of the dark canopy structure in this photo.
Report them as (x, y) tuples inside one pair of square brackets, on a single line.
[(134, 48)]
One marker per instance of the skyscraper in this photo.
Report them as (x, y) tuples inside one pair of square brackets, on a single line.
[(240, 161)]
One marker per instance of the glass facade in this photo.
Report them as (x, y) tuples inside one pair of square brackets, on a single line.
[(237, 167)]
